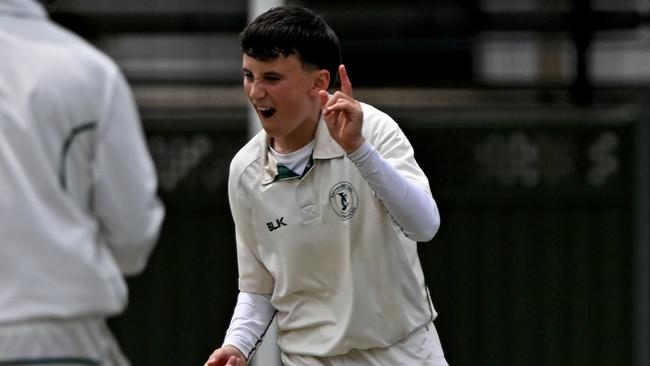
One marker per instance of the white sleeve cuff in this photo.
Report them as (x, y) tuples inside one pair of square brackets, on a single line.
[(250, 320)]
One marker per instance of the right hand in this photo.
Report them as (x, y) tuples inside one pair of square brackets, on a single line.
[(343, 115), (226, 356)]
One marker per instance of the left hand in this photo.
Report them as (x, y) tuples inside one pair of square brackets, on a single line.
[(343, 115), (226, 356)]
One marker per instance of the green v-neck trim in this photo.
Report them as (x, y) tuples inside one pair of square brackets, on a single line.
[(286, 173)]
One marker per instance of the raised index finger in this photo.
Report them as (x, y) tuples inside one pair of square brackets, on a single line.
[(346, 85)]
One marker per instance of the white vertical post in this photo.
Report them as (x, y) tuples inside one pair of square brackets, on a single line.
[(268, 353), (642, 236), (255, 8)]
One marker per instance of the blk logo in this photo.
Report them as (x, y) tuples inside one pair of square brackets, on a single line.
[(276, 225)]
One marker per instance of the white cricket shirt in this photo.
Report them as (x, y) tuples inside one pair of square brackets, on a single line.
[(78, 205), (341, 272)]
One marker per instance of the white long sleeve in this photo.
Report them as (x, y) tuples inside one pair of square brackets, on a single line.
[(414, 210), (250, 320)]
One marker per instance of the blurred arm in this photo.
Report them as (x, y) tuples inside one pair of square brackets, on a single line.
[(125, 183)]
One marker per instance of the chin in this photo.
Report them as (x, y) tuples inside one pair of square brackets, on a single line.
[(270, 129)]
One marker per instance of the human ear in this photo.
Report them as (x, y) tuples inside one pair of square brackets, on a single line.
[(321, 81)]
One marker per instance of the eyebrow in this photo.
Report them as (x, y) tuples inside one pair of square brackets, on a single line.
[(268, 73)]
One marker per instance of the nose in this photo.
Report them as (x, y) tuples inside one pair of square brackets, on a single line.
[(256, 90)]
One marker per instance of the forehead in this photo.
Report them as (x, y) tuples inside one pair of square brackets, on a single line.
[(281, 64)]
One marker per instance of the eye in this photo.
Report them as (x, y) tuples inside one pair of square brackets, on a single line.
[(247, 75)]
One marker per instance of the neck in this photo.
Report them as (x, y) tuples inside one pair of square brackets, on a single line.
[(296, 139)]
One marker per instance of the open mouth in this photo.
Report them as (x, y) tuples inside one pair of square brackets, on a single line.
[(267, 112)]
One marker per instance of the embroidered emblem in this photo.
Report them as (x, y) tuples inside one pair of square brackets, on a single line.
[(344, 200)]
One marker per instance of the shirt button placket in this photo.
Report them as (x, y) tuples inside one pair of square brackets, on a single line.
[(305, 199)]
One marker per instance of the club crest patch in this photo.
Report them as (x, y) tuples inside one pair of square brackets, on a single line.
[(344, 200)]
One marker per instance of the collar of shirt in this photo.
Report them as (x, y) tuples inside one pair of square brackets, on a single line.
[(286, 173), (22, 8), (325, 148)]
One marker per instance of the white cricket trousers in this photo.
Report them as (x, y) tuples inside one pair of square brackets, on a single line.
[(70, 342), (420, 348)]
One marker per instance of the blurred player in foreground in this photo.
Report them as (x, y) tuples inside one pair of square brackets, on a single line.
[(328, 204), (78, 204)]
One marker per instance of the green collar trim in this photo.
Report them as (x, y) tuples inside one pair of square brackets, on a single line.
[(286, 173)]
